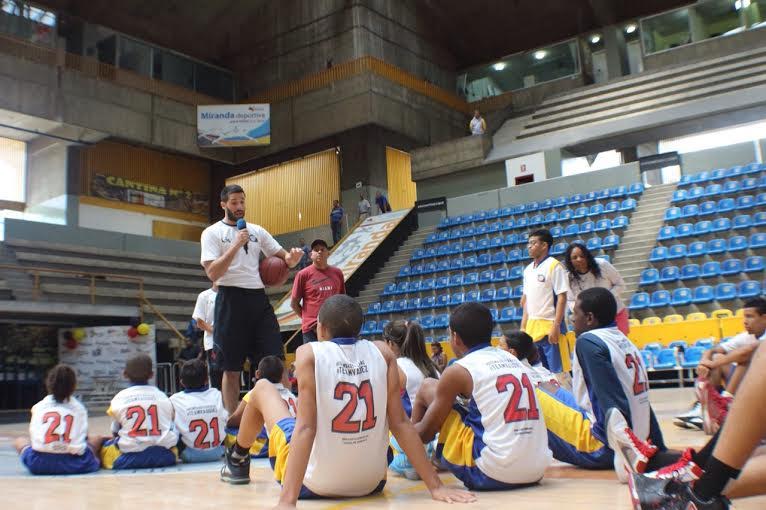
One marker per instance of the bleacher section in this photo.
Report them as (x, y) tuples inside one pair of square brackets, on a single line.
[(480, 257), (710, 251)]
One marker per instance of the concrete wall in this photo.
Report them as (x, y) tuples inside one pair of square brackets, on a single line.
[(474, 180), (719, 157), (47, 180), (297, 38), (35, 231), (126, 222), (703, 50)]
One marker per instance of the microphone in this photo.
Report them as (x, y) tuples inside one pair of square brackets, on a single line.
[(242, 225)]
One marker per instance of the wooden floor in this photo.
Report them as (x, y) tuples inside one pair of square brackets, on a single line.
[(199, 487)]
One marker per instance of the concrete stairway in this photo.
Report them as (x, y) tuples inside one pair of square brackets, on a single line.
[(17, 285), (640, 237), (387, 274)]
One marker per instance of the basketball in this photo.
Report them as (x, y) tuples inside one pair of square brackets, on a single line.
[(274, 271)]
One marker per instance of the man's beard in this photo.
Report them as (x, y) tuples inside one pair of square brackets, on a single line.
[(230, 215)]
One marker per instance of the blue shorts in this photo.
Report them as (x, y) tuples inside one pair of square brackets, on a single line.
[(550, 355), (152, 457), (190, 455), (41, 463)]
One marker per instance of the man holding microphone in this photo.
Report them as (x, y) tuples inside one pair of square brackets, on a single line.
[(245, 324)]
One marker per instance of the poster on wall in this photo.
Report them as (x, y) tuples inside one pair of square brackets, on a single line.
[(99, 359), (524, 169), (234, 125), (349, 255), (129, 191)]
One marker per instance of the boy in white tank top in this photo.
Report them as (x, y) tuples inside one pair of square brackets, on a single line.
[(498, 439), (350, 399)]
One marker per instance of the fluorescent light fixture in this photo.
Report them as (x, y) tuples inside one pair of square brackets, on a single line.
[(595, 38), (499, 66), (629, 29), (540, 54), (741, 4)]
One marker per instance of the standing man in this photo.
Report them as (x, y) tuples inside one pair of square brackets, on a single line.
[(245, 324), (364, 208), (336, 217), (204, 316), (477, 126), (314, 285), (382, 202), (544, 300)]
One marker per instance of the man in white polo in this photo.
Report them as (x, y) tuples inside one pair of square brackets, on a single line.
[(204, 317)]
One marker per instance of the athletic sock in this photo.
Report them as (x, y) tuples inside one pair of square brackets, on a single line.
[(702, 457), (240, 452), (717, 475)]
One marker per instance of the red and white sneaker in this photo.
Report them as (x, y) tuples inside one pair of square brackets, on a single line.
[(631, 454), (715, 406), (684, 470)]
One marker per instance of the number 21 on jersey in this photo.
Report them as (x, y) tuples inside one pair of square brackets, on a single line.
[(342, 423)]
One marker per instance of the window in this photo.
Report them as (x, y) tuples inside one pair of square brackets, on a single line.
[(713, 139), (213, 82), (607, 159), (135, 56), (13, 162), (174, 69)]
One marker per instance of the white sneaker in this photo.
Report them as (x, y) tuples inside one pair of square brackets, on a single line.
[(692, 419)]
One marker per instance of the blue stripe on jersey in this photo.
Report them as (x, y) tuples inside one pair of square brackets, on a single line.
[(471, 416), (406, 404), (345, 340)]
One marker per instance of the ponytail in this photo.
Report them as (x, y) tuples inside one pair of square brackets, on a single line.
[(414, 348)]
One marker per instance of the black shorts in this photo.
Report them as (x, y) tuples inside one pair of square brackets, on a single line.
[(245, 327)]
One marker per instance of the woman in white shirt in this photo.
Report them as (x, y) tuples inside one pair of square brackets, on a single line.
[(585, 271)]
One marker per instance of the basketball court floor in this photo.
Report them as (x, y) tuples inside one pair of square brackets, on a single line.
[(198, 486)]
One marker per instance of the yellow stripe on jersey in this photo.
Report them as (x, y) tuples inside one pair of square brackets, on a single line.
[(109, 455), (457, 441), (279, 449), (567, 423)]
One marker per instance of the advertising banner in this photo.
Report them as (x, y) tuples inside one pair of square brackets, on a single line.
[(133, 192), (235, 125)]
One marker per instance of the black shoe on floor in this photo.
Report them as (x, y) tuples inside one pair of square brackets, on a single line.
[(236, 471)]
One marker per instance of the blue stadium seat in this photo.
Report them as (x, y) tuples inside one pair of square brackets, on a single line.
[(533, 206), (485, 276), (404, 272), (468, 246), (368, 328), (373, 309), (718, 174), (535, 220), (441, 282), (457, 299), (690, 272), (432, 238), (428, 303), (731, 266), (516, 273), (546, 204), (496, 242), (689, 211), (484, 259), (648, 358), (725, 292), (710, 269), (754, 264), (666, 233), (518, 291), (471, 279), (754, 168), (618, 192), (649, 276), (721, 225), (469, 261), (443, 250), (703, 294), (725, 205), (660, 298), (414, 286), (429, 268), (677, 251), (589, 196), (580, 212), (735, 170), (575, 199), (669, 274), (619, 222), (389, 289), (685, 180), (684, 230), (522, 238), (742, 221), (514, 255), (715, 246), (565, 215), (510, 239), (469, 232), (596, 210), (757, 241), (748, 289), (456, 280), (759, 219), (487, 296), (681, 297), (387, 307), (506, 211), (551, 217), (560, 202), (503, 294), (628, 204), (412, 304), (611, 207), (506, 315), (587, 227), (482, 244), (677, 345), (594, 243), (498, 258), (705, 343), (739, 243), (658, 254), (665, 359), (472, 296), (427, 322), (418, 254), (500, 275), (416, 270), (695, 193), (745, 202), (762, 182), (456, 264), (692, 357), (508, 225), (442, 301), (702, 228), (558, 248), (748, 184), (679, 195), (760, 200), (696, 249), (636, 188), (609, 242), (400, 305), (707, 208), (713, 190), (639, 301), (602, 225), (702, 177), (443, 265), (730, 187), (522, 223), (572, 230), (443, 236), (672, 213)]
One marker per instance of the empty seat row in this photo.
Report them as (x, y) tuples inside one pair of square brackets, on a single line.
[(440, 321), (710, 269), (671, 358), (445, 300), (721, 173), (711, 247), (711, 207), (714, 190), (701, 228), (701, 294), (550, 203), (456, 280)]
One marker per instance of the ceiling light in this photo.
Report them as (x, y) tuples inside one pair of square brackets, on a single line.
[(741, 4), (498, 66), (539, 55), (629, 29), (595, 39)]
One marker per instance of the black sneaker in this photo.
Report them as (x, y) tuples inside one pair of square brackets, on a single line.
[(235, 471), (652, 494), (692, 419)]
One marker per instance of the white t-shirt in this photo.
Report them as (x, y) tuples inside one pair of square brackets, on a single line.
[(144, 416), (243, 271), (477, 126), (364, 206), (200, 418), (59, 427), (610, 280), (542, 283), (205, 309), (738, 341)]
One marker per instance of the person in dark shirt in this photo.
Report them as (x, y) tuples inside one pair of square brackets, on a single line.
[(191, 350), (336, 217)]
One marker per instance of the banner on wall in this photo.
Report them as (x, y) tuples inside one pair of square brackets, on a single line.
[(529, 168), (234, 125), (133, 192), (349, 255), (99, 359)]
